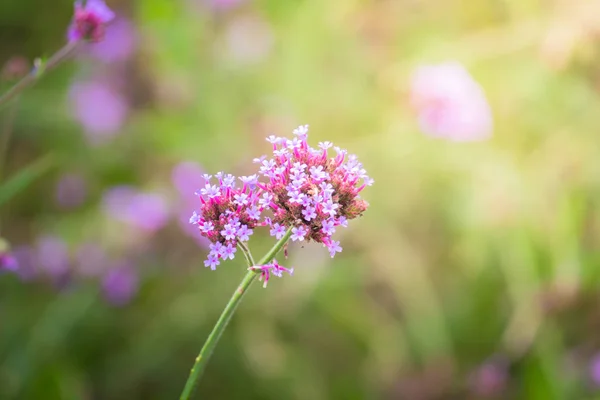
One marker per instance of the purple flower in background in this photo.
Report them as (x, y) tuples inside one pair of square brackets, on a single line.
[(490, 378), (52, 256), (26, 259), (146, 211), (188, 176), (450, 103), (120, 284), (89, 21), (224, 4), (118, 44), (99, 108), (594, 369), (8, 262), (71, 190)]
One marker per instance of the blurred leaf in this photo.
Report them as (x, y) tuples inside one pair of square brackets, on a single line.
[(25, 178)]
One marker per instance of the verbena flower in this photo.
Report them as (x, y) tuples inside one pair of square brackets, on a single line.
[(120, 284), (99, 107), (227, 214), (450, 103), (25, 257), (270, 269), (89, 21), (490, 379), (118, 44), (146, 211), (594, 370), (47, 259), (314, 191), (8, 262), (53, 256)]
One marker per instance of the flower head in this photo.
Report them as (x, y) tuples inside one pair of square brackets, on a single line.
[(118, 43), (89, 21), (227, 214), (310, 190), (450, 103)]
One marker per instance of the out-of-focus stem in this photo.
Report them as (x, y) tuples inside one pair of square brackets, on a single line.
[(39, 70), (5, 134)]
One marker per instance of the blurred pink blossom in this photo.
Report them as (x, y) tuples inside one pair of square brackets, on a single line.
[(27, 261), (187, 178), (89, 21), (146, 211), (490, 378), (118, 44), (224, 4), (450, 103), (99, 108), (120, 284), (52, 256), (595, 369)]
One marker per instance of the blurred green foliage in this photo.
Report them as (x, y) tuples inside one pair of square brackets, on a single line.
[(470, 253)]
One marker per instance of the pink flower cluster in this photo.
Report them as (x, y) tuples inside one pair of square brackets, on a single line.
[(450, 103), (89, 21), (310, 190), (227, 215), (309, 193)]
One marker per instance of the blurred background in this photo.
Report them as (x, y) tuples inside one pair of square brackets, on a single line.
[(473, 275)]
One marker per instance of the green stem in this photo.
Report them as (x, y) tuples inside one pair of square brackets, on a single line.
[(29, 79), (6, 133), (247, 254), (215, 335)]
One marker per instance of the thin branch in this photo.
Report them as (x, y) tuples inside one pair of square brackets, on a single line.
[(38, 71)]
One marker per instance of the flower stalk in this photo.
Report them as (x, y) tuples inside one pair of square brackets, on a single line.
[(223, 321), (38, 71)]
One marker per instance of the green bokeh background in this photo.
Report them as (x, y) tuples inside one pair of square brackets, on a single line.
[(470, 252)]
